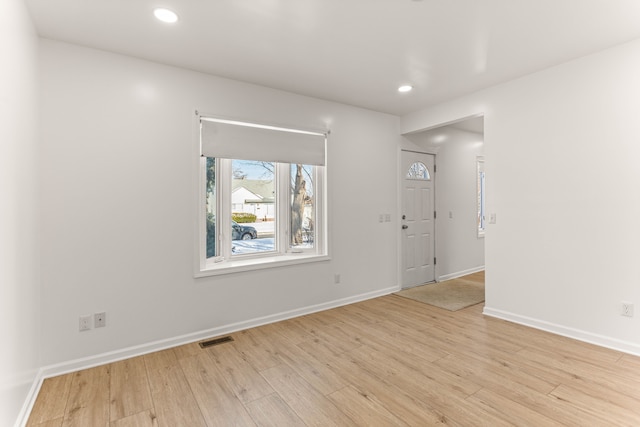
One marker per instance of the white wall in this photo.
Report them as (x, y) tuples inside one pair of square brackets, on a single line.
[(459, 251), (561, 149), (19, 285), (117, 138)]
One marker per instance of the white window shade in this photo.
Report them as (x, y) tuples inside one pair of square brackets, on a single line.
[(238, 140)]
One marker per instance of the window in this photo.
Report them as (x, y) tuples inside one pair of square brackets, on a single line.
[(267, 184), (481, 222), (418, 171)]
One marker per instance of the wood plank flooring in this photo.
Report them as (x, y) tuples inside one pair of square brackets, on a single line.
[(389, 361)]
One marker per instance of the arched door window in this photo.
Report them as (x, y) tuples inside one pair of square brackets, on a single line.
[(419, 171)]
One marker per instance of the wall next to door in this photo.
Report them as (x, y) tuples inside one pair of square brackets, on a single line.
[(458, 249), (562, 176)]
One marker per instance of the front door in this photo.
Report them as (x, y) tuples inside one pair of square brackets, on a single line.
[(418, 219)]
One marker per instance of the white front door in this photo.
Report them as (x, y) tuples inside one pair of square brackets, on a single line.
[(417, 218)]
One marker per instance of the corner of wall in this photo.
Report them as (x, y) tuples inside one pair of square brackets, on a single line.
[(20, 320)]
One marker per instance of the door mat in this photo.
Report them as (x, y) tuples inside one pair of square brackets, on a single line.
[(451, 295)]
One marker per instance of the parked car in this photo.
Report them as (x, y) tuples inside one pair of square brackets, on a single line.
[(242, 232), (238, 232)]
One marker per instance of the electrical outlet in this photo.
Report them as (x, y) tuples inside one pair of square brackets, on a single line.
[(627, 309), (336, 278), (85, 323), (100, 320)]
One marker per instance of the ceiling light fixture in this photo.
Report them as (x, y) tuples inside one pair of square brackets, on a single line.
[(405, 88), (165, 15)]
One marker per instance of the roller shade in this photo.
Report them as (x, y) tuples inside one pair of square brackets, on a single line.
[(247, 141)]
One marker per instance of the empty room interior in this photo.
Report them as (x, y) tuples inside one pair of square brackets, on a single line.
[(353, 151)]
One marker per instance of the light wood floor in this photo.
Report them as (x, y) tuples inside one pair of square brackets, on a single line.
[(477, 278), (389, 361)]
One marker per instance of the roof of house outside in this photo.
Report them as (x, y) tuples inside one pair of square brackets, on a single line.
[(263, 189)]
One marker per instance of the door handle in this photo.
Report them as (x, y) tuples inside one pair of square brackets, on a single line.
[(404, 226)]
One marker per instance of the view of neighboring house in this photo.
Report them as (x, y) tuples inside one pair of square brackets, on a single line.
[(254, 196)]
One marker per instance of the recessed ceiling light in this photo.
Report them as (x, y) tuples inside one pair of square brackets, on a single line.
[(405, 88), (165, 15)]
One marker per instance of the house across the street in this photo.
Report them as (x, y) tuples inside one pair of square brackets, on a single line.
[(254, 196)]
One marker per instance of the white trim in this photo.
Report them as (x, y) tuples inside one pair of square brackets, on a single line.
[(114, 356), (197, 188), (480, 197), (125, 353), (399, 183), (224, 168), (259, 263), (27, 406), (577, 334), (460, 273), (139, 350)]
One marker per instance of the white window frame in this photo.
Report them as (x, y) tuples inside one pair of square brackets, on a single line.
[(481, 196), (283, 255)]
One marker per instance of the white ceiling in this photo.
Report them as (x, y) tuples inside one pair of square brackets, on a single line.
[(351, 51)]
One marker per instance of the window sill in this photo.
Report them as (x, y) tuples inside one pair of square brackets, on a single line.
[(240, 265)]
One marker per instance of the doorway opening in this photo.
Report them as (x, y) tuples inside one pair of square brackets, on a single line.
[(458, 187), (418, 218)]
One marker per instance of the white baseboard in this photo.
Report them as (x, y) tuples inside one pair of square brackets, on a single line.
[(577, 334), (125, 353), (460, 273), (25, 411)]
